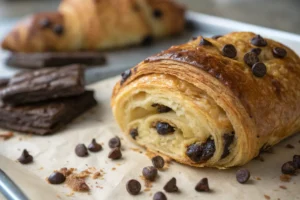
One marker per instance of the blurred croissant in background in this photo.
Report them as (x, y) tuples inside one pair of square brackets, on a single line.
[(96, 25)]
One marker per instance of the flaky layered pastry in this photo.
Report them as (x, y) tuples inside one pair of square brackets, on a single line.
[(213, 102), (96, 24)]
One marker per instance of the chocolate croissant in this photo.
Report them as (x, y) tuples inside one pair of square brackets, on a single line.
[(212, 102), (96, 25)]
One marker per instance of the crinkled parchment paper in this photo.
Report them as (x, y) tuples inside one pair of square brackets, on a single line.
[(56, 151)]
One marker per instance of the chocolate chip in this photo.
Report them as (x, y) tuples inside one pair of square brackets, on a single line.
[(259, 41), (115, 154), (259, 69), (216, 36), (289, 146), (204, 42), (229, 51), (125, 75), (56, 178), (242, 175), (133, 187), (201, 152), (159, 196), (158, 162), (251, 58), (164, 128), (148, 40), (134, 133), (227, 139), (257, 51), (58, 29), (114, 142), (161, 108), (296, 161), (279, 52), (25, 157), (81, 150), (45, 23), (288, 168), (171, 186), (157, 13), (202, 186), (94, 146), (150, 173)]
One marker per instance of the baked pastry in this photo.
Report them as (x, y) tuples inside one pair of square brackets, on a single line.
[(212, 102), (96, 24)]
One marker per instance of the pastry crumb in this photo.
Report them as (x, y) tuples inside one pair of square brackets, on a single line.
[(77, 183), (258, 178), (7, 136), (283, 187), (96, 175), (267, 197), (285, 178)]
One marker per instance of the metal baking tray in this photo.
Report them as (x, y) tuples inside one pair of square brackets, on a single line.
[(120, 60)]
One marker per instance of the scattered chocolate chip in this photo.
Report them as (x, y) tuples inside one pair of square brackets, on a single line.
[(56, 178), (204, 42), (115, 154), (242, 175), (148, 40), (58, 29), (158, 162), (150, 173), (171, 186), (157, 13), (114, 142), (229, 51), (289, 146), (259, 69), (259, 41), (257, 51), (134, 133), (45, 23), (161, 108), (202, 186), (279, 52), (159, 196), (216, 36), (164, 128), (125, 75), (288, 168), (94, 146), (251, 58), (201, 152), (81, 150), (25, 157), (133, 187), (296, 161), (227, 139)]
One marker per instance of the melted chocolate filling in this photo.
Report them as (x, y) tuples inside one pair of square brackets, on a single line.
[(164, 128), (227, 139), (201, 152)]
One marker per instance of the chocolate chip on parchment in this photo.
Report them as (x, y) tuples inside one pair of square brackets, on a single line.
[(58, 29), (25, 157), (150, 173), (216, 36), (158, 162), (257, 51), (289, 146), (259, 41), (133, 187), (242, 175), (45, 23), (171, 186), (157, 13), (227, 139), (259, 69), (159, 196), (81, 150), (114, 142), (164, 128), (56, 178), (134, 133), (229, 51), (115, 154), (125, 75), (204, 42), (288, 168), (148, 40), (251, 58), (279, 52), (94, 146), (161, 108), (202, 186), (296, 161)]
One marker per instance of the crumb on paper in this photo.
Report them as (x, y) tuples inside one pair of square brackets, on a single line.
[(41, 168), (283, 187), (67, 172), (285, 178), (289, 146), (147, 189), (96, 175), (267, 197), (258, 178), (77, 183), (6, 136), (113, 169), (147, 183)]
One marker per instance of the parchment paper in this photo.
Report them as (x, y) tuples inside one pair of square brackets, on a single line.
[(56, 151)]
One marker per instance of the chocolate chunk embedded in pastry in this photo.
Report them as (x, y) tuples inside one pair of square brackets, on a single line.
[(224, 105)]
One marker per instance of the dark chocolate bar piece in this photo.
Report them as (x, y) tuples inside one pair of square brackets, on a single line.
[(44, 84), (54, 59), (45, 117)]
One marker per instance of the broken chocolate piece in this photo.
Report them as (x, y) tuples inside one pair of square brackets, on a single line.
[(115, 154), (25, 157), (81, 150), (94, 146), (171, 186), (288, 168), (242, 175), (164, 128), (150, 173), (56, 178), (158, 162), (133, 187), (202, 186), (227, 139), (114, 142)]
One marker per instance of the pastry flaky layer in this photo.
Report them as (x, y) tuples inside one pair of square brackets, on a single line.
[(96, 24), (213, 102)]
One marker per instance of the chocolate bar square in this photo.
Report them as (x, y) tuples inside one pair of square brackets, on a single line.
[(45, 117), (44, 84)]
